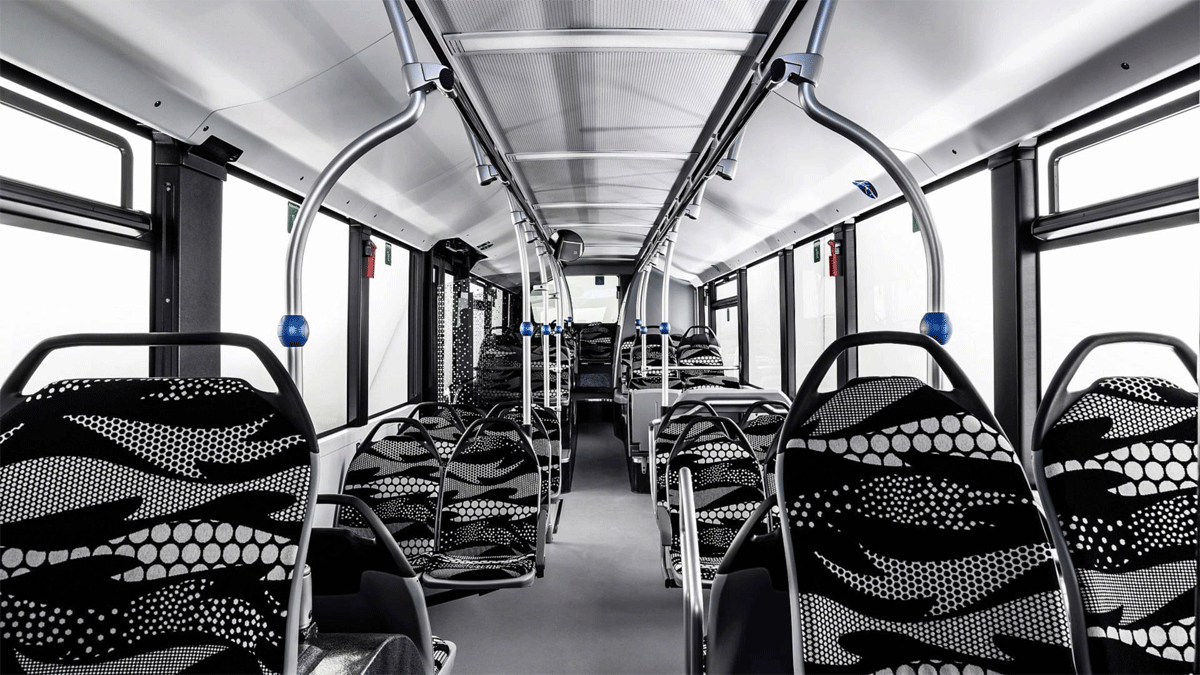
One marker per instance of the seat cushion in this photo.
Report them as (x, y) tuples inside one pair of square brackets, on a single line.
[(708, 565), (479, 568)]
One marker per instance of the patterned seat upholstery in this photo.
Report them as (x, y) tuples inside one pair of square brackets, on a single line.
[(499, 367), (763, 423), (467, 413), (916, 544), (487, 530), (549, 459), (649, 376), (151, 525), (442, 423), (596, 341), (677, 418), (1121, 472), (699, 347), (398, 477), (728, 486)]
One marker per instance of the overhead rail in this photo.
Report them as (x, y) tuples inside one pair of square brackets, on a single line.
[(804, 71), (420, 79)]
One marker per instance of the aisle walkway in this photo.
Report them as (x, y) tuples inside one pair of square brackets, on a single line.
[(601, 607)]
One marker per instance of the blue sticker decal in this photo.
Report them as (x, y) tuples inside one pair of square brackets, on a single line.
[(867, 188)]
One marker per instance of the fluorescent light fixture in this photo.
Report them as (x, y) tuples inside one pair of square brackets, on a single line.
[(598, 39), (570, 226), (597, 205), (617, 154)]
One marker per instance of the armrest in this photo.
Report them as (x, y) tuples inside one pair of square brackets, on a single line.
[(663, 516), (384, 537), (540, 558), (693, 599)]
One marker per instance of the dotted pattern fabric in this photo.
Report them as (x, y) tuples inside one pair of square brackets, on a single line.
[(704, 350), (150, 526), (1122, 473), (548, 452), (596, 341), (488, 515), (442, 424), (728, 487), (918, 545), (398, 478)]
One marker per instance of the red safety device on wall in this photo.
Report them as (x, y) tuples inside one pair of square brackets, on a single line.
[(369, 250), (833, 258)]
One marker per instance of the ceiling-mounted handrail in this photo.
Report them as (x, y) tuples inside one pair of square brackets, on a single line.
[(420, 79)]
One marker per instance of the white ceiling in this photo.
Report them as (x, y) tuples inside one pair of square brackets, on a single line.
[(292, 82)]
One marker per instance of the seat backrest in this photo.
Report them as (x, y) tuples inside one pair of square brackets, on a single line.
[(490, 494), (1120, 471), (913, 537), (596, 341), (726, 478), (442, 423), (546, 451), (762, 424), (673, 422), (398, 477), (468, 413), (153, 525), (499, 367)]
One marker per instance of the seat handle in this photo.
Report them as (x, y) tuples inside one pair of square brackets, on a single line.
[(1056, 394), (381, 532), (10, 391)]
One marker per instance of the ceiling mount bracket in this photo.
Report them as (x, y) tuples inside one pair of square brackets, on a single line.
[(428, 76)]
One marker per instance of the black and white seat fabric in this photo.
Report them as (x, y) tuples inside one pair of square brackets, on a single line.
[(398, 477), (489, 515), (676, 419), (1119, 461), (499, 367), (596, 341), (914, 541), (546, 450), (648, 375), (467, 413), (152, 525), (443, 424), (699, 347), (728, 486)]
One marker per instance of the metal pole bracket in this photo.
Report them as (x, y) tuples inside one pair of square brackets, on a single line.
[(797, 68), (428, 76)]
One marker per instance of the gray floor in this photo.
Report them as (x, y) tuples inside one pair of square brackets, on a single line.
[(601, 608)]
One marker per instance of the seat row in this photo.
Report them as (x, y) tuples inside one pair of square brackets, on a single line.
[(910, 539)]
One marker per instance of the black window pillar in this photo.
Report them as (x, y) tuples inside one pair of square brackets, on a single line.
[(1015, 295), (743, 311), (358, 316), (846, 291), (422, 305), (787, 319), (186, 267)]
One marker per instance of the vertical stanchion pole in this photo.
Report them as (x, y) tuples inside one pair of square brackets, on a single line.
[(664, 328), (519, 222)]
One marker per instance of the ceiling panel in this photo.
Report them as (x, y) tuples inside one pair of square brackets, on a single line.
[(747, 16), (601, 180), (599, 100)]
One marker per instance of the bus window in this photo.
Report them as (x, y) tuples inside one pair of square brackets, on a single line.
[(71, 285), (1144, 282), (34, 150), (387, 351), (254, 240), (726, 323), (762, 333), (816, 308), (595, 298), (891, 281)]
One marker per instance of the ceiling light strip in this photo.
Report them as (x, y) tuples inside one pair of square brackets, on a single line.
[(598, 154), (598, 205), (599, 39)]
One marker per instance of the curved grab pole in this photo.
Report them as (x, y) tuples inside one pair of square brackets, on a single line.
[(293, 328), (519, 223), (635, 282), (642, 292), (664, 328), (804, 70), (540, 248), (693, 597)]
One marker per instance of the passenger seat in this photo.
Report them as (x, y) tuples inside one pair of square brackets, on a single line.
[(1118, 462), (913, 540)]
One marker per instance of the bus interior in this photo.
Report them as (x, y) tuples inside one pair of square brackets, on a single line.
[(599, 336)]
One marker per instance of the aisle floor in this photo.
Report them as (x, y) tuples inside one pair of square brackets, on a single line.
[(601, 608)]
